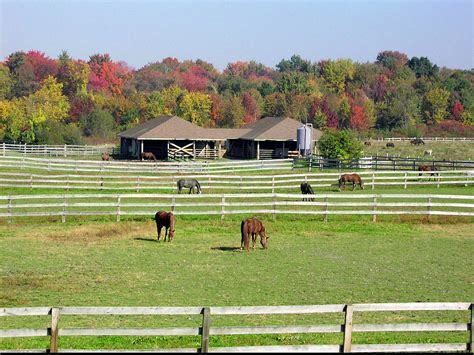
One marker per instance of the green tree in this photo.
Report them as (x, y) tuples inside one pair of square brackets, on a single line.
[(196, 108), (435, 105), (341, 145), (6, 82), (232, 112), (294, 83), (400, 109), (337, 73), (98, 123), (48, 103), (423, 67)]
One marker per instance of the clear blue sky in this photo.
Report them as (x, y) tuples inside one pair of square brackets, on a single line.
[(140, 32)]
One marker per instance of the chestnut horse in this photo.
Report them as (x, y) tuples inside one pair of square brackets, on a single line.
[(252, 227), (354, 178), (422, 168), (167, 220), (148, 156), (105, 156)]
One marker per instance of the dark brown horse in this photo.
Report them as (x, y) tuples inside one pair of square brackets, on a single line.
[(252, 227), (353, 178), (148, 156), (167, 220), (367, 143), (422, 168), (390, 145), (105, 156), (306, 189)]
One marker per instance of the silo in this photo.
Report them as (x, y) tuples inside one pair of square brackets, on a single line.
[(304, 139)]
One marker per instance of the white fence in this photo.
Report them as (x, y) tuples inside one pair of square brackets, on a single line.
[(204, 328), (227, 204), (137, 166), (435, 139), (210, 182), (64, 150)]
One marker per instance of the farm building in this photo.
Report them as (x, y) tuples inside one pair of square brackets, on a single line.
[(173, 137)]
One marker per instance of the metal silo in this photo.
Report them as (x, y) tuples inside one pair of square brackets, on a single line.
[(304, 139)]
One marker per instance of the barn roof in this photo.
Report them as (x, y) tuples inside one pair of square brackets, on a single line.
[(176, 128)]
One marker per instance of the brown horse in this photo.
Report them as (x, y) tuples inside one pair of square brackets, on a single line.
[(148, 156), (354, 178), (252, 227), (105, 156), (422, 168), (367, 143), (167, 220)]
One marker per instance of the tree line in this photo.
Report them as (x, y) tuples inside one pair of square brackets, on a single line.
[(64, 100)]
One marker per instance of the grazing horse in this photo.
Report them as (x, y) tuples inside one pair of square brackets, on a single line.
[(390, 145), (367, 143), (417, 141), (306, 189), (167, 220), (354, 178), (105, 156), (189, 183), (422, 168), (148, 156), (252, 227)]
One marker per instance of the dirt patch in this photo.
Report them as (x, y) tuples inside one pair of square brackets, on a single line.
[(90, 233)]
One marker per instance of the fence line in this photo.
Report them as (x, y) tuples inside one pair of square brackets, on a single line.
[(206, 330), (55, 150), (135, 166), (436, 139), (229, 182), (228, 204)]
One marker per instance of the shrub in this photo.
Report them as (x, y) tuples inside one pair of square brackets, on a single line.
[(342, 145)]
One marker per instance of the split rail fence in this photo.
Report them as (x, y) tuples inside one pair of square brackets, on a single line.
[(209, 182), (232, 204), (205, 329)]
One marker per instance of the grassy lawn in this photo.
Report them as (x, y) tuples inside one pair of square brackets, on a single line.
[(347, 260), (441, 150)]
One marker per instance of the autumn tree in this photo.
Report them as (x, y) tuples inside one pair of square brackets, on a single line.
[(232, 112), (196, 108), (6, 82), (337, 73), (435, 104)]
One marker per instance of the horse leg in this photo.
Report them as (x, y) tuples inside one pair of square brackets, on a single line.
[(158, 228), (254, 239), (166, 234)]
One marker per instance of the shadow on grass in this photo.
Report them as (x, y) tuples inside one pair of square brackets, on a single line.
[(234, 249), (146, 239)]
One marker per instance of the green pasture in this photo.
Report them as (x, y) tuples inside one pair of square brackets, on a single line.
[(347, 260), (441, 150)]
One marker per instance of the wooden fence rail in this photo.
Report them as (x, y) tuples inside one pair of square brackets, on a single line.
[(55, 150), (206, 330), (228, 182), (64, 205)]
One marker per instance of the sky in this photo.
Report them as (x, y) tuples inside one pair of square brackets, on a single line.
[(221, 32)]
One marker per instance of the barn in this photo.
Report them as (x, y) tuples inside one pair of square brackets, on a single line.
[(171, 137)]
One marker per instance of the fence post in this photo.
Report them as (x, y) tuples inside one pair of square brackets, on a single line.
[(374, 216), (31, 181), (373, 180), (206, 325), (63, 216), (471, 343), (65, 150), (273, 184), (53, 347), (326, 209), (118, 208), (274, 207), (4, 150), (347, 345), (429, 207), (9, 209), (138, 183), (222, 208), (405, 187), (173, 204)]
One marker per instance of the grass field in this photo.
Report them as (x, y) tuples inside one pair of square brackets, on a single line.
[(441, 150), (94, 261), (104, 263)]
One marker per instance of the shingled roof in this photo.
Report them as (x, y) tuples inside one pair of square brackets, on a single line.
[(176, 128)]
